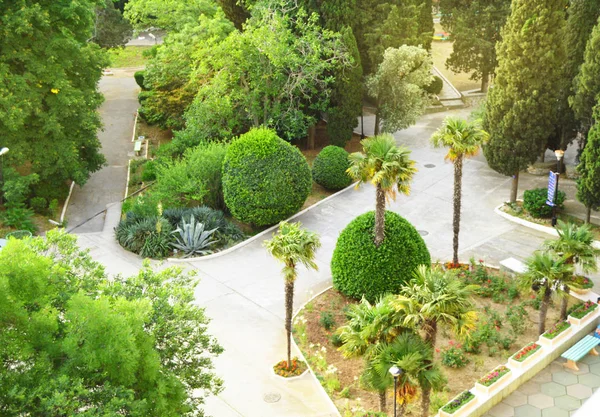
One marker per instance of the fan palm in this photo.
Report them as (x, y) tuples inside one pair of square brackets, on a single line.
[(436, 298), (368, 326), (414, 357), (388, 167), (464, 139), (575, 244), (546, 274), (292, 245)]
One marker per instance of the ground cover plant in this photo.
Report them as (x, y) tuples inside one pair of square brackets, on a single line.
[(557, 329), (458, 402), (526, 352), (583, 309), (494, 376)]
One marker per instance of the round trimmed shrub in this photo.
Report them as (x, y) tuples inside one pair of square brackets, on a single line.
[(436, 85), (329, 168), (534, 201), (359, 268), (265, 179), (139, 78)]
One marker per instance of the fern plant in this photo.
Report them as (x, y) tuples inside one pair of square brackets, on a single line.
[(193, 239)]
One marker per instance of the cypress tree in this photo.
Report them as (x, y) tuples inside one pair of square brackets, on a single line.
[(521, 107), (588, 184), (235, 11), (425, 23)]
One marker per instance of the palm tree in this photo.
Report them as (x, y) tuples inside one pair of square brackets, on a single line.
[(411, 354), (575, 244), (292, 245), (368, 326), (388, 167), (546, 274), (436, 298), (464, 139)]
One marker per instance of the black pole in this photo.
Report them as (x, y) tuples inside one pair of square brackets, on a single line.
[(395, 388), (554, 221), (362, 124)]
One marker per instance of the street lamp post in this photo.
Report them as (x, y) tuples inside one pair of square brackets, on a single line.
[(396, 372), (2, 152), (559, 156)]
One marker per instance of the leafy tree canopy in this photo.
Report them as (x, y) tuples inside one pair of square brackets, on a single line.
[(111, 30), (167, 14), (588, 183), (75, 340)]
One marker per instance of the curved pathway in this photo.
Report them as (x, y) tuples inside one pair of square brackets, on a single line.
[(243, 290)]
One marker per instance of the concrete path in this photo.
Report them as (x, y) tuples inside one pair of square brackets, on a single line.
[(243, 291), (108, 185)]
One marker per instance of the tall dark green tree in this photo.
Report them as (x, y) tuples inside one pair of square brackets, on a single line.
[(111, 30), (475, 30), (49, 97), (334, 14), (521, 107), (425, 22), (588, 183)]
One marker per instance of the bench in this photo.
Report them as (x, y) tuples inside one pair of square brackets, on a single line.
[(137, 147), (579, 350), (513, 266)]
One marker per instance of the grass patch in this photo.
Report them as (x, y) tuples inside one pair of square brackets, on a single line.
[(129, 56)]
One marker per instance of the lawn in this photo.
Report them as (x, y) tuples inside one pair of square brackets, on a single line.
[(507, 321), (128, 57)]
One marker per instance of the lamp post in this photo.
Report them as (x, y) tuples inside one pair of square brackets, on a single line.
[(2, 152), (396, 372), (559, 156)]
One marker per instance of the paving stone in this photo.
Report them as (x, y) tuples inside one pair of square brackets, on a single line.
[(555, 412), (502, 410), (579, 391), (564, 378), (583, 369), (589, 380), (553, 389), (527, 411), (541, 401), (529, 388), (544, 376), (515, 399), (590, 359), (566, 402), (595, 369)]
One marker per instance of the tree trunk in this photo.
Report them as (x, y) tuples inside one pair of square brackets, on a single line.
[(543, 156), (377, 121), (289, 306), (425, 401), (485, 82), (458, 165), (401, 410), (382, 404), (430, 337), (544, 310), (514, 188), (311, 137), (379, 216), (588, 215), (564, 302)]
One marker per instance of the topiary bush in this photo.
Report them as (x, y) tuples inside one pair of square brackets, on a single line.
[(534, 201), (265, 179), (139, 78), (436, 85), (359, 268), (329, 168)]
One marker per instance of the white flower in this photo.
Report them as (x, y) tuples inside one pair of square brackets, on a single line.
[(312, 345), (323, 349), (356, 378), (358, 399)]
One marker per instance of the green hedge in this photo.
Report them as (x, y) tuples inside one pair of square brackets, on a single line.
[(534, 201), (265, 179), (359, 268), (139, 78), (436, 85), (329, 168)]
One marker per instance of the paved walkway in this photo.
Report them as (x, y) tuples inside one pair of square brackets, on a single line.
[(108, 185), (243, 291)]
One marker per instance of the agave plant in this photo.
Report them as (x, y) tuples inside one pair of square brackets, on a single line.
[(193, 239)]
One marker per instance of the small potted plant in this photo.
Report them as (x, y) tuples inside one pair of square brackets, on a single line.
[(580, 284), (525, 356), (559, 332), (493, 380), (582, 313), (461, 405)]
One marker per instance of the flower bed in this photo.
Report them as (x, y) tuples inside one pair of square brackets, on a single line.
[(581, 284), (297, 368), (519, 359), (582, 313), (460, 405), (556, 334), (491, 381)]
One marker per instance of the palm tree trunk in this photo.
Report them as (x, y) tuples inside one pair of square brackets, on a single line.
[(382, 403), (379, 216), (514, 187), (430, 337), (430, 332), (588, 215), (544, 310), (458, 165), (564, 303), (485, 81), (425, 401), (289, 306), (377, 122), (401, 409)]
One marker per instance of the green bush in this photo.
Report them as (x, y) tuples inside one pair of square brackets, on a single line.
[(436, 85), (534, 201), (38, 204), (327, 321), (150, 237), (139, 78), (265, 179), (17, 188), (359, 268), (149, 171), (51, 189), (19, 218), (454, 356), (329, 168), (227, 232)]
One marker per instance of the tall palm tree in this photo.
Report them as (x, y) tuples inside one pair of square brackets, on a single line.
[(292, 245), (436, 298), (415, 357), (368, 326), (546, 274), (388, 167), (575, 244), (464, 139)]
